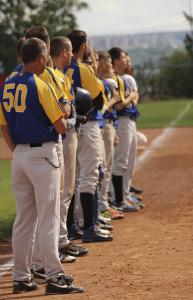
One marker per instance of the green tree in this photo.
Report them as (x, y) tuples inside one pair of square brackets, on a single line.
[(176, 75), (17, 15), (188, 40)]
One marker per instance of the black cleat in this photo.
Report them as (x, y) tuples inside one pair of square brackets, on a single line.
[(135, 190), (24, 286), (62, 285), (74, 250)]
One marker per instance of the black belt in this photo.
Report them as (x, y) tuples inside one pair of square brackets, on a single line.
[(35, 145)]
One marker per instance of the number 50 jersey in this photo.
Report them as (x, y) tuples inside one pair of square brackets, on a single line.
[(29, 107)]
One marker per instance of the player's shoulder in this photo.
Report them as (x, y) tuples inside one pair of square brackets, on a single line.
[(86, 68)]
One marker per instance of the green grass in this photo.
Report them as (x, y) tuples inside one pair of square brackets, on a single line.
[(7, 203), (159, 114)]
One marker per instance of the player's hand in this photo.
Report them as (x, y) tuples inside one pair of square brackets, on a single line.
[(116, 141)]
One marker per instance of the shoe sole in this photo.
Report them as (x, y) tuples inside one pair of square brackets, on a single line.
[(71, 290)]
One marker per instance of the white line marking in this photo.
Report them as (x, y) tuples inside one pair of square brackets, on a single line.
[(6, 267), (166, 133), (142, 158)]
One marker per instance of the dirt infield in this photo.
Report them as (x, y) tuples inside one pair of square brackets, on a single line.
[(151, 256)]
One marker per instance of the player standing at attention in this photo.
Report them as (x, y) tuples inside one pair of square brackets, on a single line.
[(31, 126), (88, 155)]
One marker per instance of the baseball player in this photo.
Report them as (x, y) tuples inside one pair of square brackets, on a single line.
[(128, 175), (105, 73), (88, 155), (121, 155), (61, 53), (31, 125)]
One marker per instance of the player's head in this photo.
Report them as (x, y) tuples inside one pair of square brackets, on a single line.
[(39, 32), (34, 55), (79, 41), (61, 49), (105, 68), (118, 59), (18, 47), (91, 58), (128, 67)]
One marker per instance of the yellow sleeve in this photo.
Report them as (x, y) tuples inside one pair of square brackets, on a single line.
[(48, 100), (66, 85), (105, 100), (89, 80), (2, 117), (121, 87), (53, 81)]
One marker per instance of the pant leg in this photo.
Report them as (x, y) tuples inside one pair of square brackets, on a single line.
[(121, 153), (108, 138), (26, 217), (37, 259), (70, 144), (128, 175), (89, 157), (43, 171)]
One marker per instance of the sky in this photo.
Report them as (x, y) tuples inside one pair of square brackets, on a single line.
[(138, 16)]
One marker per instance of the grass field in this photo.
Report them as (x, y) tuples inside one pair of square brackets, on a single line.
[(7, 205), (159, 114), (153, 115)]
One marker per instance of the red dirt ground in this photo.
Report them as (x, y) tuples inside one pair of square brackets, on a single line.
[(151, 257)]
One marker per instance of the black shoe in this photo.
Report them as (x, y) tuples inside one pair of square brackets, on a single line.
[(39, 276), (90, 235), (62, 285), (74, 250), (74, 233), (24, 286), (135, 190)]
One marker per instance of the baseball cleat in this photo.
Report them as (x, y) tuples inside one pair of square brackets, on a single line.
[(24, 286)]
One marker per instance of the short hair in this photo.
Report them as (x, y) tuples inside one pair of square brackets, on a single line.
[(58, 44), (19, 45), (115, 53), (77, 38), (31, 49), (39, 32), (104, 55)]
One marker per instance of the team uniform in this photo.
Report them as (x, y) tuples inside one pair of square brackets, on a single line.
[(30, 107), (89, 139), (128, 175), (122, 150), (108, 136)]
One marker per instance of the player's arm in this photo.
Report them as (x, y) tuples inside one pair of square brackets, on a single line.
[(125, 102), (51, 106), (60, 126), (5, 130), (7, 137), (90, 83)]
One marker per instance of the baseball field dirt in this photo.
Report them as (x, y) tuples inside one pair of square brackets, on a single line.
[(151, 256)]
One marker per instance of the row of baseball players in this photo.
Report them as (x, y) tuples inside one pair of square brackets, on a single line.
[(72, 129)]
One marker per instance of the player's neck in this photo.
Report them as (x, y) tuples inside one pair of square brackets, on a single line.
[(31, 68), (78, 55), (58, 64)]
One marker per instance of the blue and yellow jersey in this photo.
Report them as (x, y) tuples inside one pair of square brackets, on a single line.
[(131, 110), (29, 107), (83, 76), (66, 84), (54, 79), (112, 114)]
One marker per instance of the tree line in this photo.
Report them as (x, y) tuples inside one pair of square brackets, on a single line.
[(173, 76)]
